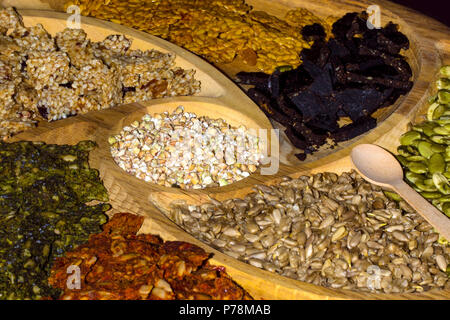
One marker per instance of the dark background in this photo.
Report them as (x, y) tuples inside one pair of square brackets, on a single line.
[(437, 9)]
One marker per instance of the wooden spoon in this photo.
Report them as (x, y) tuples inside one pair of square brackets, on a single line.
[(379, 167)]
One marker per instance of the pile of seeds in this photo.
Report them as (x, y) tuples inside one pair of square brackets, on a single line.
[(216, 30), (44, 189), (186, 151), (425, 149), (117, 264), (329, 230), (45, 77)]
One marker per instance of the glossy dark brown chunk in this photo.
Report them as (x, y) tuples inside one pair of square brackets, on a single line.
[(355, 73)]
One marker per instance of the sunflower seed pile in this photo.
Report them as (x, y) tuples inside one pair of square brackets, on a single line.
[(329, 230)]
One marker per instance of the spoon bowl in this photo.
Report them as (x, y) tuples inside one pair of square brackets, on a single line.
[(380, 167), (376, 164)]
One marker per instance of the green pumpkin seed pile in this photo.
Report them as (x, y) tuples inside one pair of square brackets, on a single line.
[(425, 150), (43, 212)]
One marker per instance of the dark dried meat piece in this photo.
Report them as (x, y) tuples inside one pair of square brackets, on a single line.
[(268, 106), (358, 103), (364, 64), (354, 129), (273, 85), (337, 49), (307, 103), (288, 108), (313, 32), (387, 39), (353, 74), (253, 78), (295, 138), (312, 138), (349, 25), (386, 82), (310, 100), (325, 122), (301, 156), (395, 61), (295, 79)]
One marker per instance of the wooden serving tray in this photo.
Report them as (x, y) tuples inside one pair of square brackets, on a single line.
[(221, 98)]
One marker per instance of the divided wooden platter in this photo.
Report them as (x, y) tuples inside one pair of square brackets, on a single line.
[(130, 194)]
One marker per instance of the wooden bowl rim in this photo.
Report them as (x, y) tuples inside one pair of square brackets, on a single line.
[(306, 288)]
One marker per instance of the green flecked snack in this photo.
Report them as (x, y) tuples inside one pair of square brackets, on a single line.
[(424, 151), (44, 190)]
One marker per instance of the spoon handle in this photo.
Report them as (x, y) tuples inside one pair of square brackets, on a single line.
[(435, 217)]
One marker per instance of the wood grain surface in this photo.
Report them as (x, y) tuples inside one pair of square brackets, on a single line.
[(429, 48)]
